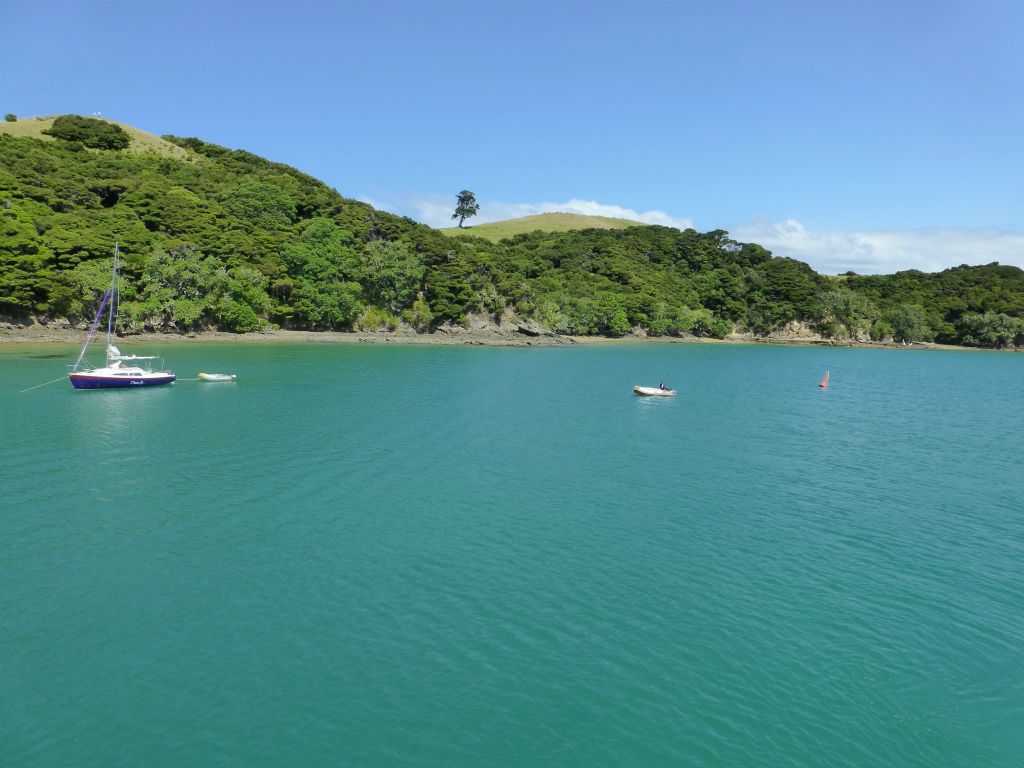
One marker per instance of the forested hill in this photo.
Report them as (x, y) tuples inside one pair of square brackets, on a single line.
[(215, 238)]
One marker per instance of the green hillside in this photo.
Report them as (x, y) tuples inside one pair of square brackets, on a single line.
[(218, 238), (141, 141), (544, 222)]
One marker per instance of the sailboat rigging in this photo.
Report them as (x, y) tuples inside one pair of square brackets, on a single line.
[(115, 373)]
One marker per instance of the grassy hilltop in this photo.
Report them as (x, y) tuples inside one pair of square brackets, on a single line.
[(219, 238), (543, 222), (141, 141)]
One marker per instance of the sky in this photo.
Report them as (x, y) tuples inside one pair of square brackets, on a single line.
[(850, 134)]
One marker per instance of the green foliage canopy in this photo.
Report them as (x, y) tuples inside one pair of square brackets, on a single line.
[(225, 239), (465, 206), (90, 131)]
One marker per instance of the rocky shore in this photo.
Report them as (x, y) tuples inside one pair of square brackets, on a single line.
[(476, 332)]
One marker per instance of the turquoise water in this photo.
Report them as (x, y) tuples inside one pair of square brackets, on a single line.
[(409, 556)]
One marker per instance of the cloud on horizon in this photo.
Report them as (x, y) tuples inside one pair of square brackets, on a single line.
[(866, 252), (437, 212), (871, 252)]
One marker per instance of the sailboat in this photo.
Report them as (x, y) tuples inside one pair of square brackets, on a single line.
[(824, 382), (115, 373)]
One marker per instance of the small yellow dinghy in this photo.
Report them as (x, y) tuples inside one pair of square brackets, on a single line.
[(217, 377)]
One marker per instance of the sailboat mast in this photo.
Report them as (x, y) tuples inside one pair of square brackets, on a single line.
[(113, 294)]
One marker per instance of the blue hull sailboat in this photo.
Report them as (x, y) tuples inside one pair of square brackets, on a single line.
[(115, 374)]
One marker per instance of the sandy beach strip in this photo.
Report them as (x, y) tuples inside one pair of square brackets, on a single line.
[(12, 334), (15, 333)]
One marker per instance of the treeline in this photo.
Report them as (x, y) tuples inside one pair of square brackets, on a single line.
[(225, 239)]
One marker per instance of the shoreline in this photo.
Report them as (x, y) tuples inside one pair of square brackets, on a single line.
[(13, 335)]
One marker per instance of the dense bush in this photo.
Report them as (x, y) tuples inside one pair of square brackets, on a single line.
[(229, 240), (89, 131), (991, 329)]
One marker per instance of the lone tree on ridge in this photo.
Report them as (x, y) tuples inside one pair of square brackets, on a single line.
[(465, 206)]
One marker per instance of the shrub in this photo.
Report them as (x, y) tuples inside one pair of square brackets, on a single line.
[(187, 313), (260, 204), (392, 274), (992, 329), (419, 315), (93, 133), (10, 117), (238, 317), (909, 323), (376, 319), (706, 323)]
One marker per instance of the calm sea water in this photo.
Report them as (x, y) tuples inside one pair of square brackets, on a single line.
[(408, 556)]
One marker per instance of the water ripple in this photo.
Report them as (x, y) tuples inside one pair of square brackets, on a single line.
[(449, 557)]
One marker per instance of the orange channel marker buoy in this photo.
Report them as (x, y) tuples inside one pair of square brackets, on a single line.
[(824, 382)]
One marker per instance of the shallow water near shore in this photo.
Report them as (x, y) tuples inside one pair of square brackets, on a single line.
[(435, 556)]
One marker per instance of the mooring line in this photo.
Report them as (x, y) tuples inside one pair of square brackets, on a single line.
[(37, 386)]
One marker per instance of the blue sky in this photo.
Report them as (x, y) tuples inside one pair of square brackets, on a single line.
[(852, 135)]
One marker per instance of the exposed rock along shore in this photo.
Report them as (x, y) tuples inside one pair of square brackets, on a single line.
[(478, 331)]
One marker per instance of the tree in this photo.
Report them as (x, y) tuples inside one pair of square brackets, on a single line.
[(10, 117), (909, 323), (843, 311), (225, 239), (260, 204), (93, 133), (392, 274), (992, 329), (465, 206)]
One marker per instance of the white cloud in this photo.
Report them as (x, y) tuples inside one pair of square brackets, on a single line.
[(437, 211), (830, 251), (885, 251), (433, 211), (378, 204)]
